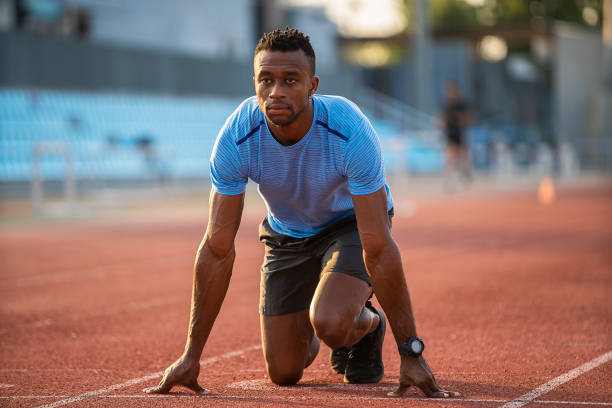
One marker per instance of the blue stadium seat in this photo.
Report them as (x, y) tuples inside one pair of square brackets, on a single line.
[(109, 133)]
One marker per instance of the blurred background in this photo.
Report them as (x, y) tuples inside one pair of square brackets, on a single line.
[(110, 99)]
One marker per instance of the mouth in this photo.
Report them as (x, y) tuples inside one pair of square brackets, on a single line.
[(277, 109)]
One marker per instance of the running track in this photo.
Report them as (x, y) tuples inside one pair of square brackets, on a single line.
[(513, 299)]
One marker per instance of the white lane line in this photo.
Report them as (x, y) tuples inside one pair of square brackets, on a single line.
[(148, 377), (85, 273), (359, 397), (555, 382), (122, 308), (263, 384), (27, 326)]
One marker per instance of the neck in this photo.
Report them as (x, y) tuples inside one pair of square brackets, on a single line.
[(295, 131)]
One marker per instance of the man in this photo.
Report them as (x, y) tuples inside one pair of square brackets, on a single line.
[(455, 117), (319, 168)]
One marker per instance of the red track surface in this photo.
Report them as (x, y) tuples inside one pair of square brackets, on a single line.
[(508, 295)]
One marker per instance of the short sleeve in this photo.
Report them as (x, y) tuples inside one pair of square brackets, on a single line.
[(363, 160), (226, 172)]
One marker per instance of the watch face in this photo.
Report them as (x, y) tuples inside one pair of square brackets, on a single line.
[(412, 347), (416, 347)]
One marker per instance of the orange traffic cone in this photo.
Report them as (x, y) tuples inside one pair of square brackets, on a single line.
[(546, 191)]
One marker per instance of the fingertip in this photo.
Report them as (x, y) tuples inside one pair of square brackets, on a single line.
[(444, 394), (200, 390), (197, 388), (401, 390), (451, 394)]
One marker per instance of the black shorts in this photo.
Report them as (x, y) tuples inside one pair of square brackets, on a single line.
[(455, 138), (292, 267)]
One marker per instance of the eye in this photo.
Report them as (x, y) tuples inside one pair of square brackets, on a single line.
[(266, 81), (291, 81)]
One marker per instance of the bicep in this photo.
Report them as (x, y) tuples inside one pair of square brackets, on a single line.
[(372, 220), (363, 161), (225, 213)]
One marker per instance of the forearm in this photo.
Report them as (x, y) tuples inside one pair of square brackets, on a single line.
[(383, 262), (389, 284), (211, 279)]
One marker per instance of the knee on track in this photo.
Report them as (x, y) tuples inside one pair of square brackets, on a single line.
[(282, 373)]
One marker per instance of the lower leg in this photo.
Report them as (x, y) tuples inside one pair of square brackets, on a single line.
[(289, 346), (338, 313), (465, 164), (315, 343), (450, 167), (342, 320), (366, 322)]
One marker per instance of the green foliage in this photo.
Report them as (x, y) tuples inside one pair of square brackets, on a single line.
[(454, 15)]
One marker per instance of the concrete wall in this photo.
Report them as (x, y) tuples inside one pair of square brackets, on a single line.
[(577, 76), (205, 28), (322, 33), (36, 61), (582, 98), (30, 60)]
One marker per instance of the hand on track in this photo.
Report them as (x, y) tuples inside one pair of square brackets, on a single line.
[(183, 372), (415, 371)]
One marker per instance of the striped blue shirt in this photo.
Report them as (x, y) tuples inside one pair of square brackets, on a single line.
[(306, 186)]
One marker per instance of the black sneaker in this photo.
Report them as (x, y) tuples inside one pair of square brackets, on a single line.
[(365, 364), (338, 358)]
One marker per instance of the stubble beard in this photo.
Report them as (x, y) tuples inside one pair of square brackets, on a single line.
[(289, 120)]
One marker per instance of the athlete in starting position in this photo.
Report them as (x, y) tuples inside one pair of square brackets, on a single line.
[(318, 164)]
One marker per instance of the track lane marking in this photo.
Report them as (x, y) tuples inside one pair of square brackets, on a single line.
[(129, 307), (85, 273), (305, 398), (556, 382), (138, 380), (264, 384)]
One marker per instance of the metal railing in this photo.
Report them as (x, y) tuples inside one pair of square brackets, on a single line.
[(409, 121)]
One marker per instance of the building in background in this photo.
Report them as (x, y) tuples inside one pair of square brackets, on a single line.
[(194, 27), (521, 65)]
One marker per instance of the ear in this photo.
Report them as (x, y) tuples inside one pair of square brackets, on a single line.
[(314, 84)]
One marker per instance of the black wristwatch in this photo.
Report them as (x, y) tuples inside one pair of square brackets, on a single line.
[(412, 347)]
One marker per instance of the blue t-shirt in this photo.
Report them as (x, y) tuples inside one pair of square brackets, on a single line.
[(306, 186)]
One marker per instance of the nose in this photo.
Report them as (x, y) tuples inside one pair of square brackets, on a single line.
[(277, 91)]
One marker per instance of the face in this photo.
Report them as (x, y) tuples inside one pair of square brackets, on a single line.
[(452, 92), (284, 83)]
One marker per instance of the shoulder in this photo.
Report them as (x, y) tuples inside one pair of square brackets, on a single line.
[(245, 119), (341, 114), (339, 106)]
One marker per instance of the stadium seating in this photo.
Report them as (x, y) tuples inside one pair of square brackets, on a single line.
[(115, 136)]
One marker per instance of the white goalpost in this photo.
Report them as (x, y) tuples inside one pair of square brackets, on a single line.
[(37, 193)]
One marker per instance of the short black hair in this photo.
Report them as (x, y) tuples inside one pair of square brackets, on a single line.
[(289, 39)]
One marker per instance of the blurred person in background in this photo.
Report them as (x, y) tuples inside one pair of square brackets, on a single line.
[(328, 246), (455, 117)]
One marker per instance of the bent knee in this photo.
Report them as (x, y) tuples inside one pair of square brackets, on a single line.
[(332, 330), (284, 376), (285, 380), (283, 371)]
